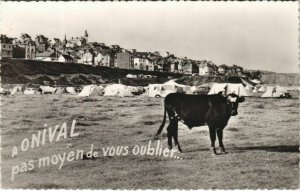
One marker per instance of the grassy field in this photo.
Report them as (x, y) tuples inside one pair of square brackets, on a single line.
[(262, 144)]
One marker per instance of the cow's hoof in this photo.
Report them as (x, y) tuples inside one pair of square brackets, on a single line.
[(177, 148), (223, 150), (213, 151)]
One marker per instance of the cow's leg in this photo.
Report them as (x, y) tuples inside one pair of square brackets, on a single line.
[(212, 133), (170, 134), (220, 138), (175, 134)]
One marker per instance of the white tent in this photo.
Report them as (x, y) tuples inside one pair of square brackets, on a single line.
[(118, 90), (30, 91), (60, 90), (255, 90), (70, 90), (172, 82), (178, 87), (276, 91), (217, 87), (47, 90), (90, 90), (229, 88), (131, 76), (262, 89), (16, 89)]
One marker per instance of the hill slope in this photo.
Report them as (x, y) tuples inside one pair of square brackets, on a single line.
[(54, 73)]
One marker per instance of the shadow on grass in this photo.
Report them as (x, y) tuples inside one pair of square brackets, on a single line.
[(277, 148)]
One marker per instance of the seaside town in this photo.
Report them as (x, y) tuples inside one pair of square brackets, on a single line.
[(80, 50)]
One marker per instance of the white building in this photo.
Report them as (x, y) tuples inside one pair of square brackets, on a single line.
[(102, 59), (143, 64), (88, 57), (204, 69)]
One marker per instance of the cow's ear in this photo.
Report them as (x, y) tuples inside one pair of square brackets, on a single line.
[(241, 99)]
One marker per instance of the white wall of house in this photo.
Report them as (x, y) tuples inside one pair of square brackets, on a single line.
[(204, 71), (143, 64), (102, 60), (139, 63), (88, 58), (149, 65)]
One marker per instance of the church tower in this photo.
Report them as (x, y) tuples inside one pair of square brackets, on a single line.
[(64, 43), (86, 35)]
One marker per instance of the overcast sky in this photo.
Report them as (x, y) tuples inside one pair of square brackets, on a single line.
[(254, 35)]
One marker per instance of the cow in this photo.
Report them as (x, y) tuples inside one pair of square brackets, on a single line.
[(196, 110)]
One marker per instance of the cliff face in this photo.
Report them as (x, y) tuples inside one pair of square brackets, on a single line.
[(280, 78)]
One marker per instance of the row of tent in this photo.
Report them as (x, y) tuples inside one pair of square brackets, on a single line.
[(118, 90), (161, 90), (156, 90), (239, 89)]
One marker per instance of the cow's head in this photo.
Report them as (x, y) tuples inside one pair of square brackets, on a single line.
[(233, 101)]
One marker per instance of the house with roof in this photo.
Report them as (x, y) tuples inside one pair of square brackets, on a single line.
[(205, 68), (55, 43), (222, 69), (30, 50), (24, 38), (190, 67), (6, 48), (77, 41), (176, 65), (102, 58), (88, 57), (41, 43), (142, 63)]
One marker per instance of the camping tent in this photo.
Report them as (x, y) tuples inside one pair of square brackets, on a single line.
[(262, 89), (30, 91), (247, 83), (47, 90), (60, 90), (276, 91), (228, 88), (118, 90), (70, 90), (16, 89), (160, 90), (91, 90)]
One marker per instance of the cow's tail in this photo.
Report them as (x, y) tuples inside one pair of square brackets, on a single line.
[(162, 125)]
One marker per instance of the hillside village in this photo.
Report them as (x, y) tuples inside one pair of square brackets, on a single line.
[(80, 50)]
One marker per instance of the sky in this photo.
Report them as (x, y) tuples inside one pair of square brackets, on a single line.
[(254, 35)]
